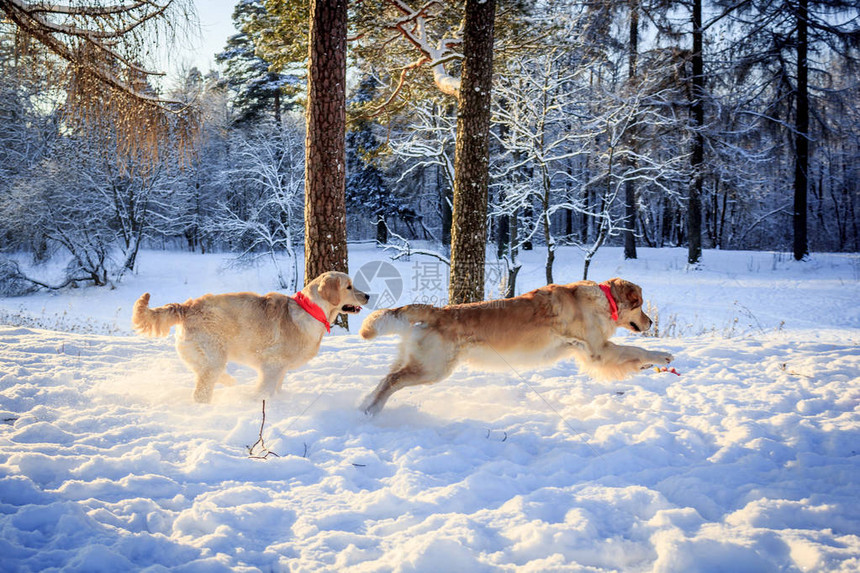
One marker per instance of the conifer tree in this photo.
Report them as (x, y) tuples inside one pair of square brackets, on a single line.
[(258, 90), (787, 40), (366, 190)]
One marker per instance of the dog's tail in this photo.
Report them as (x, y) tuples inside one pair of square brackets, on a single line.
[(155, 322), (396, 320)]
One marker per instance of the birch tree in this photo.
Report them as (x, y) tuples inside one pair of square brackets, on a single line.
[(100, 43), (269, 172), (88, 207), (422, 138), (535, 99)]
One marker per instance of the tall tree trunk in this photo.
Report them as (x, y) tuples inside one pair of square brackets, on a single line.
[(472, 156), (325, 173), (445, 201), (603, 228), (585, 219), (529, 220), (629, 184), (547, 225), (381, 231), (503, 222), (503, 231), (513, 251), (801, 134), (697, 158), (629, 219)]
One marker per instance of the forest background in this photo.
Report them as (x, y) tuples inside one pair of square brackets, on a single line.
[(724, 125)]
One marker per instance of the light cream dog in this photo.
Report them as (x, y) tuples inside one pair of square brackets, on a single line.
[(270, 333), (540, 327)]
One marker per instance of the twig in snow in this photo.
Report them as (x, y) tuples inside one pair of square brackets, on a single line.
[(749, 314), (784, 368), (264, 451), (504, 439)]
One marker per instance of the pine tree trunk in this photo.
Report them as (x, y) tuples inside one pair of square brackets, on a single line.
[(503, 231), (629, 184), (629, 219), (325, 173), (694, 202), (471, 160), (381, 232), (503, 227), (801, 137), (445, 201)]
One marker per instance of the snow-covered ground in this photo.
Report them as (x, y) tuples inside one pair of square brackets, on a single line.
[(747, 462)]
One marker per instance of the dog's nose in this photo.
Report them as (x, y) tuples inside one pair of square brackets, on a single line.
[(366, 298)]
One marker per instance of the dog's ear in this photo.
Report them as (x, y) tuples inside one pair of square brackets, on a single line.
[(330, 289), (626, 292), (634, 295)]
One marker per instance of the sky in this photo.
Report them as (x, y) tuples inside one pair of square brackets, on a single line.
[(216, 25)]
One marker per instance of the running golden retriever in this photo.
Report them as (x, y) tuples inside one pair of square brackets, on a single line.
[(536, 328), (272, 333)]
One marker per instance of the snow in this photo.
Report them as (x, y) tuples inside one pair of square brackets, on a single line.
[(746, 462)]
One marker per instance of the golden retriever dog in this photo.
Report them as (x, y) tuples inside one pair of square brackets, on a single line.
[(540, 327), (272, 333)]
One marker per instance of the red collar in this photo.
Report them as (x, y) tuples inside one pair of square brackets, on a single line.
[(613, 306), (312, 309)]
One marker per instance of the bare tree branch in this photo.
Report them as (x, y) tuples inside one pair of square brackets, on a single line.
[(108, 89)]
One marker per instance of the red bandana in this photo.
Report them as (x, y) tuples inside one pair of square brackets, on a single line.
[(312, 309), (613, 307)]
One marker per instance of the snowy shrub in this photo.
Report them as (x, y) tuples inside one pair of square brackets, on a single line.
[(665, 327), (60, 321), (12, 281), (89, 206), (263, 212)]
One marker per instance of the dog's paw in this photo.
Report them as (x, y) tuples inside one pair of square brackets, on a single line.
[(370, 407), (371, 410), (656, 358), (203, 396), (665, 357)]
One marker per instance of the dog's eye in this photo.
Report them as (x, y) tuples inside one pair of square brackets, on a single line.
[(349, 287)]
